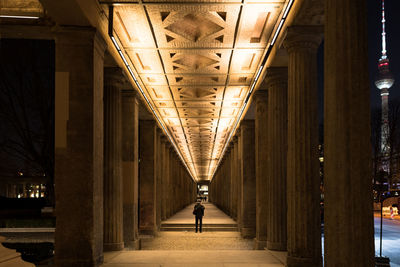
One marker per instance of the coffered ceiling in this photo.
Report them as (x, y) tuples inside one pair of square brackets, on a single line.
[(195, 61)]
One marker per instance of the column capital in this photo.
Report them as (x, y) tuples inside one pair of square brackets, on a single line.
[(235, 139), (247, 124), (303, 37), (237, 134), (114, 76), (276, 76), (164, 139), (231, 144), (130, 95), (261, 95), (228, 149), (72, 35)]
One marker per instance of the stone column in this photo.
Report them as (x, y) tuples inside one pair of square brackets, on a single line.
[(147, 176), (79, 149), (227, 181), (303, 193), (239, 179), (167, 179), (260, 99), (170, 182), (234, 181), (277, 80), (248, 208), (236, 177), (113, 216), (349, 228), (163, 179), (130, 167), (158, 180)]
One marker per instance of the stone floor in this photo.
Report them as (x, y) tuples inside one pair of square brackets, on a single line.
[(211, 249), (199, 258), (197, 241), (212, 215)]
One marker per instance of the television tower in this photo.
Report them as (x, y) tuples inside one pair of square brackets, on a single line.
[(384, 81)]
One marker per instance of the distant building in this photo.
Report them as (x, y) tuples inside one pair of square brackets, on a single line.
[(23, 186)]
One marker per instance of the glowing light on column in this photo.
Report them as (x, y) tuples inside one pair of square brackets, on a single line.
[(192, 170), (253, 84)]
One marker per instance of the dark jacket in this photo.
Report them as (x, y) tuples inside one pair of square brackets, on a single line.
[(198, 210)]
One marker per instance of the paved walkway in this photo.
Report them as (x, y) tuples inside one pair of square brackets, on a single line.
[(390, 240), (189, 249), (197, 241), (183, 237), (212, 215), (199, 258)]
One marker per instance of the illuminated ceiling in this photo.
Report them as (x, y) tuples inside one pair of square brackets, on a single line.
[(195, 63)]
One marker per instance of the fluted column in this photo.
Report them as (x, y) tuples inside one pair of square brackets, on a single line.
[(233, 182), (248, 207), (276, 81), (303, 182), (147, 177), (234, 197), (228, 182), (349, 228), (79, 147), (158, 167), (113, 205), (130, 167), (239, 179), (170, 182), (164, 180), (260, 99)]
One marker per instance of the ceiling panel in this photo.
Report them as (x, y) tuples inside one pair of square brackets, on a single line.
[(196, 61)]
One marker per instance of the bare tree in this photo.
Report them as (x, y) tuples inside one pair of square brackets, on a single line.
[(390, 162), (394, 142), (27, 115), (375, 141)]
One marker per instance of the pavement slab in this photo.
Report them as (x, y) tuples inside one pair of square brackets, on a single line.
[(232, 258)]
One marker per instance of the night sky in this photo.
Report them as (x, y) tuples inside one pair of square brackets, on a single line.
[(392, 14)]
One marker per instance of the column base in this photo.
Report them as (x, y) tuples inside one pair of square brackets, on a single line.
[(247, 232), (303, 262), (113, 246), (278, 246), (259, 244), (152, 232), (133, 245)]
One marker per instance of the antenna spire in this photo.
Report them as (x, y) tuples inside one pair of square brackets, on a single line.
[(383, 32)]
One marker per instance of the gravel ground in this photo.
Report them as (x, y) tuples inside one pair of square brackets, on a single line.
[(197, 241)]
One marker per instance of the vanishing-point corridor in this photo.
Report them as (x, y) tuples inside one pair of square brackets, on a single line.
[(153, 98), (177, 244)]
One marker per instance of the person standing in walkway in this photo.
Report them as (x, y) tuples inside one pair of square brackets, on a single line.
[(198, 212)]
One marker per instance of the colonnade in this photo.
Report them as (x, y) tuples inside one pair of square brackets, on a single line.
[(144, 180), (283, 195), (117, 175), (165, 185)]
